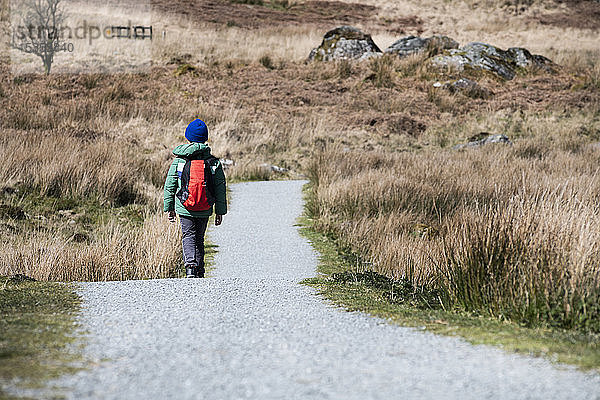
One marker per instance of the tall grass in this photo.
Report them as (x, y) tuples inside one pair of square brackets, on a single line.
[(117, 252), (61, 165), (498, 231), (107, 139)]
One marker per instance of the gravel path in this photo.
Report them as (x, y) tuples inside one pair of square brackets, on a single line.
[(252, 332)]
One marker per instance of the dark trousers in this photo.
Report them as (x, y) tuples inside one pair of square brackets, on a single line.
[(193, 230)]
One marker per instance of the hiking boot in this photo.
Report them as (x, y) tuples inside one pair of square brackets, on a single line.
[(200, 272), (190, 272)]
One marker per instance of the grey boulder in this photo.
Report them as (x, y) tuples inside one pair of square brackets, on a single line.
[(482, 139), (345, 43), (414, 44), (477, 56)]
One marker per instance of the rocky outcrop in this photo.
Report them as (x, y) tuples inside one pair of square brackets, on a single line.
[(345, 43), (414, 44), (505, 64), (482, 139)]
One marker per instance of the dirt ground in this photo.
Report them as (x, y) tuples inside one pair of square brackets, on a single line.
[(582, 14), (579, 14), (318, 13)]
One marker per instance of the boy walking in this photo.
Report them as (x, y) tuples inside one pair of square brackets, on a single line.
[(195, 185)]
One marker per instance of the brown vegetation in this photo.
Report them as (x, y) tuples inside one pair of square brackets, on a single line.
[(255, 14), (577, 14), (509, 231), (107, 139)]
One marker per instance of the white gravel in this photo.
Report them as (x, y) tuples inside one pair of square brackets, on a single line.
[(252, 332)]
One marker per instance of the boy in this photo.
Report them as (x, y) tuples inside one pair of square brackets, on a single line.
[(195, 185)]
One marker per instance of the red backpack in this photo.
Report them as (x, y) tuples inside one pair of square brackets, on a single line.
[(197, 192)]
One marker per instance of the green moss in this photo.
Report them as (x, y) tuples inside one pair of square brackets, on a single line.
[(37, 321), (403, 307)]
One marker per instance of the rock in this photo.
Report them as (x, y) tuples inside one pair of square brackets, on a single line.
[(482, 139), (345, 43), (227, 163), (484, 57), (524, 59), (369, 55), (414, 44), (273, 168), (468, 88)]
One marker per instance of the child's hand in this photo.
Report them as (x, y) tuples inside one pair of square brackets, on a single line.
[(171, 216), (218, 219)]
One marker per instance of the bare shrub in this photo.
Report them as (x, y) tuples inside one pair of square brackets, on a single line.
[(266, 62)]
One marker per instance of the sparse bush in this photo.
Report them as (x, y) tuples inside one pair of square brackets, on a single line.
[(251, 171), (445, 101), (117, 252), (410, 65), (185, 69), (56, 164), (90, 81), (267, 62), (117, 93), (8, 211), (281, 4)]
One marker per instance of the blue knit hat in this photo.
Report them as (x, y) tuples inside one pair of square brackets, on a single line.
[(196, 131)]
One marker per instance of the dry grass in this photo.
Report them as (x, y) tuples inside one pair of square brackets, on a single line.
[(61, 165), (106, 140), (507, 231), (209, 45), (117, 252)]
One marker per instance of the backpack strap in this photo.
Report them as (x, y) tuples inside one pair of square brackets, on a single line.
[(209, 175), (212, 161)]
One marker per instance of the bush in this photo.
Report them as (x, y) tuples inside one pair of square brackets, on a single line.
[(267, 62)]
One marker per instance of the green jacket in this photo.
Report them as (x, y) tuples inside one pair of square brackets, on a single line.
[(195, 151)]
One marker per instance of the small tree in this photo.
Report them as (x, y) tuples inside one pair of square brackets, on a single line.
[(39, 31)]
